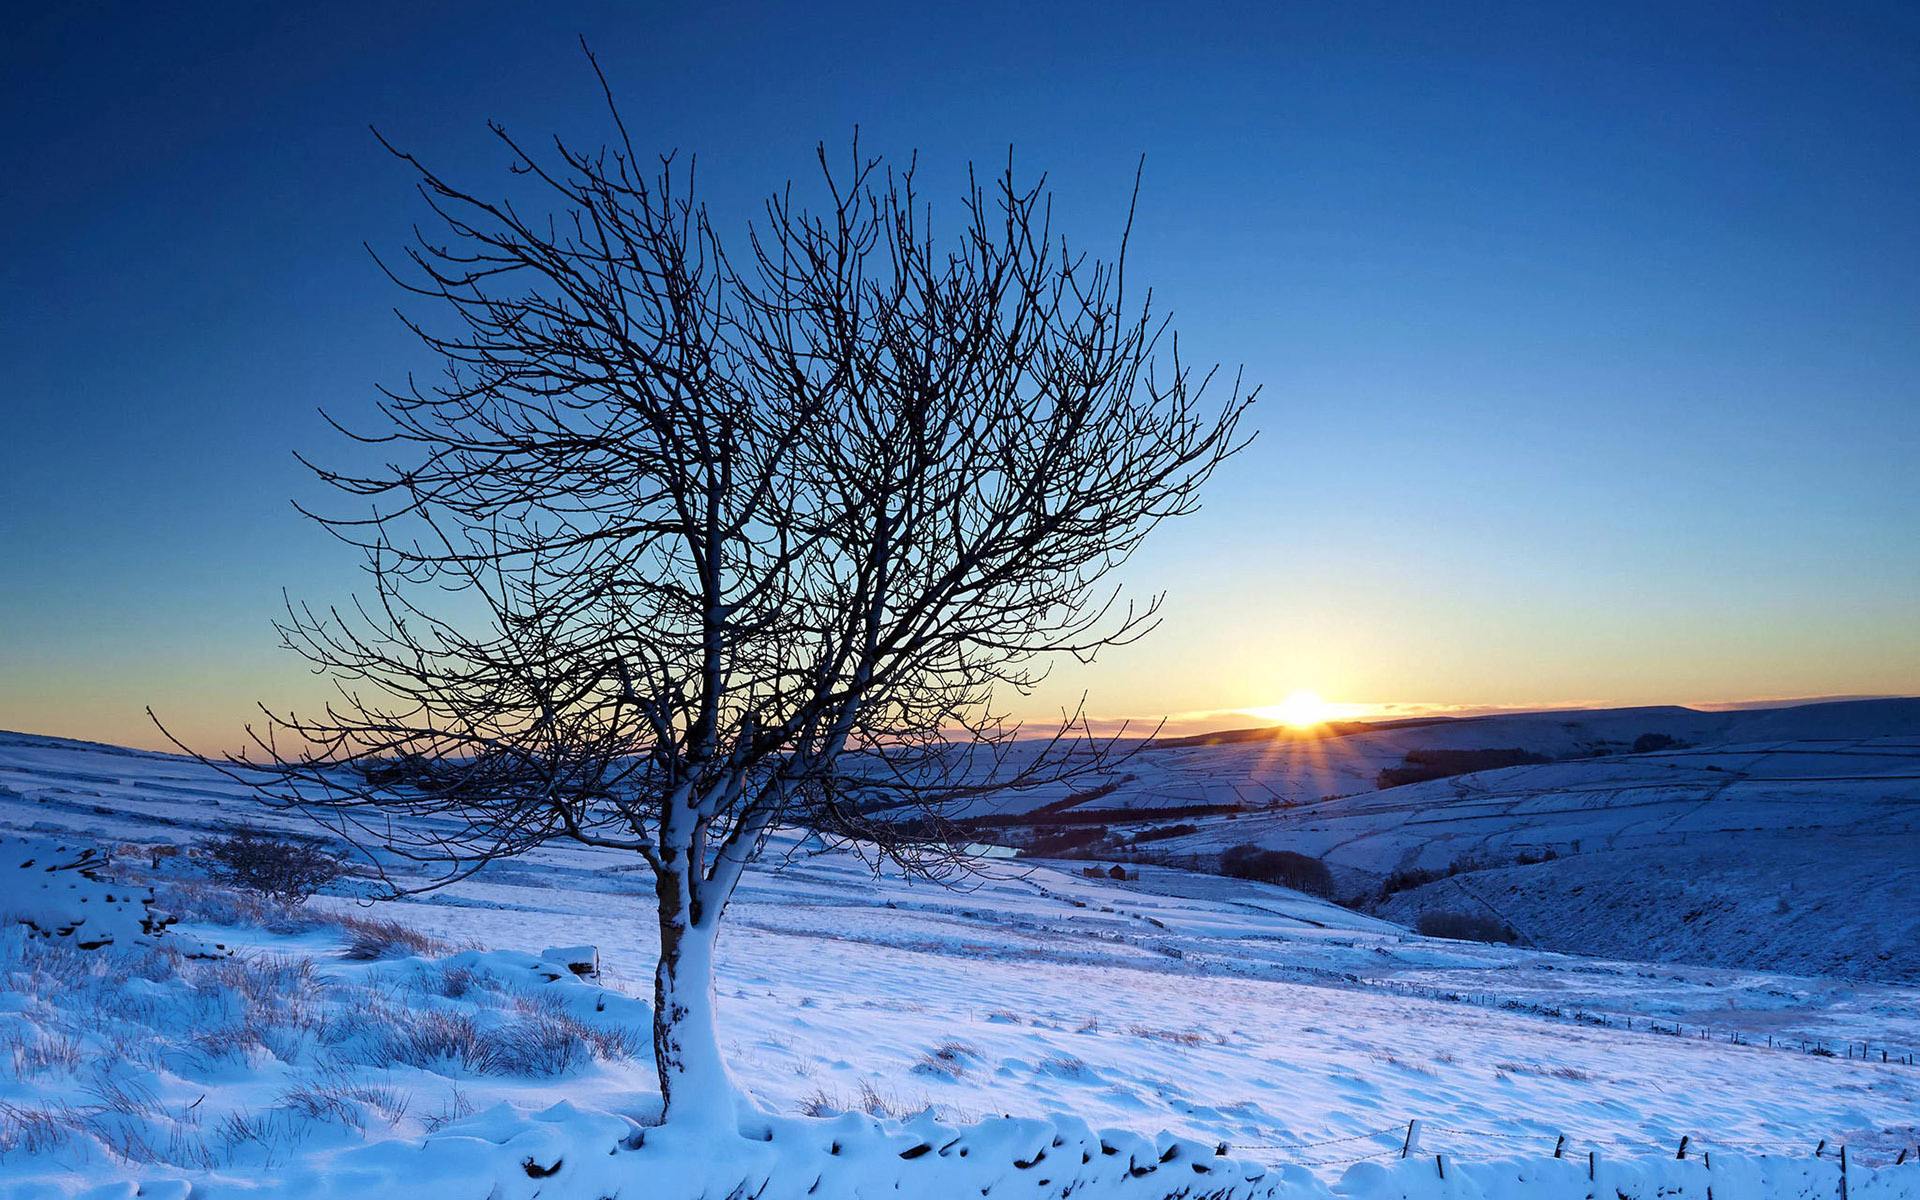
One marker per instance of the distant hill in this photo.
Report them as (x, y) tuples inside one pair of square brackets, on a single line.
[(1787, 839), (1257, 769)]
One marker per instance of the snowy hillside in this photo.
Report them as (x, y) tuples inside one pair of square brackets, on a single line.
[(1212, 1009), (1797, 855), (1261, 768)]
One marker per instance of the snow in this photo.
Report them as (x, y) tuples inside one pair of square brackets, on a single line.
[(1792, 856), (1176, 1010), (1266, 767)]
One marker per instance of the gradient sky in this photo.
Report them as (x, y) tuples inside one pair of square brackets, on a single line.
[(1588, 334)]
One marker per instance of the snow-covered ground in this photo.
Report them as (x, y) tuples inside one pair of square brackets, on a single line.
[(1801, 855), (1258, 768), (1211, 1009)]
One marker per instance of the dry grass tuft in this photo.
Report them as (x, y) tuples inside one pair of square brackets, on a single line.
[(373, 938)]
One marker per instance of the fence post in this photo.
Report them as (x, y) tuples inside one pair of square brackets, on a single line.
[(1682, 1152), (1843, 1173), (1706, 1156), (1559, 1145), (1413, 1138), (1593, 1164), (1440, 1161), (1820, 1150)]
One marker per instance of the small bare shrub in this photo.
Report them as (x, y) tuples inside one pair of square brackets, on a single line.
[(287, 869)]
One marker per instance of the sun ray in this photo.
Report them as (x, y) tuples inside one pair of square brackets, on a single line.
[(1301, 710)]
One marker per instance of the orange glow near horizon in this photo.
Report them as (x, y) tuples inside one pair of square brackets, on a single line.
[(1300, 710)]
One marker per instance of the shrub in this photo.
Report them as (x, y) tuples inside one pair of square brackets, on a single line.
[(1065, 842), (1647, 743), (1284, 867), (1465, 927), (1408, 878), (1165, 831), (1423, 765), (288, 869)]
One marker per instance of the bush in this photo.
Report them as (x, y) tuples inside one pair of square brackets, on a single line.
[(1647, 743), (1421, 766), (1284, 867), (1164, 831), (1066, 842), (1465, 927), (1408, 878), (287, 869)]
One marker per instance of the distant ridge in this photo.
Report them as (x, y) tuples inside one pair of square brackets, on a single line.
[(1268, 733), (1745, 716)]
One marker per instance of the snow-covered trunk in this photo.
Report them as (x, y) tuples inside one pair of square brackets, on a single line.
[(694, 1083)]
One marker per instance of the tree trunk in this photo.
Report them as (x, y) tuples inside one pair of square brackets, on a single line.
[(694, 1084)]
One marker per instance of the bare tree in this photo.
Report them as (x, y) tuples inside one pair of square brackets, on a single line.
[(692, 541)]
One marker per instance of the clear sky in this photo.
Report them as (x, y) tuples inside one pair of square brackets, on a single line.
[(1590, 336)]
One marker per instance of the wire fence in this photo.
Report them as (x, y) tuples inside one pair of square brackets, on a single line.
[(1419, 1138)]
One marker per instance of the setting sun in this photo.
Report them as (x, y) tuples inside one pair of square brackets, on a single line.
[(1302, 710)]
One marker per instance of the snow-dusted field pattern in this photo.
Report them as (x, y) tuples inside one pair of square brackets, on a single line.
[(1779, 839), (434, 1046)]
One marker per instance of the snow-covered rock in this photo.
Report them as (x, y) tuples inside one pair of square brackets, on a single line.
[(58, 889)]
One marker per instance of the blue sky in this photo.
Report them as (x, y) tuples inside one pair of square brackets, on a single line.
[(1587, 334)]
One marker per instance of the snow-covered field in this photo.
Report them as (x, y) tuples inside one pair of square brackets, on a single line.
[(1214, 1010), (1258, 768), (1801, 856), (1777, 839)]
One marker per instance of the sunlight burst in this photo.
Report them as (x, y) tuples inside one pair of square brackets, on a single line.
[(1302, 710)]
